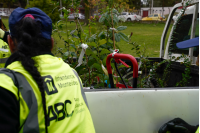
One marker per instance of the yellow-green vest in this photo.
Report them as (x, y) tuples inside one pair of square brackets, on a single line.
[(197, 131), (4, 53), (66, 107)]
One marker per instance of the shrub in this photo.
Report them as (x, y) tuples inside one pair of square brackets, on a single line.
[(48, 6)]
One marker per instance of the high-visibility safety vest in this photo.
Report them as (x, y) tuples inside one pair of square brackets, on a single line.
[(197, 131), (4, 53), (66, 108)]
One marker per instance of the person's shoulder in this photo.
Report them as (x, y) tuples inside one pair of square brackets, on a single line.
[(8, 80)]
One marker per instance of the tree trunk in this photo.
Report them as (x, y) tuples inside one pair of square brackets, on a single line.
[(150, 7), (87, 12)]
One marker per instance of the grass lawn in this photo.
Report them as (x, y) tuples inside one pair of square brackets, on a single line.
[(148, 35)]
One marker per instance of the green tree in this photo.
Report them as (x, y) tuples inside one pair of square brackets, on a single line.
[(163, 3), (48, 6), (22, 3), (135, 4), (7, 3), (10, 3)]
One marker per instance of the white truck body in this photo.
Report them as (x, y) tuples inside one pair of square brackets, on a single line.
[(141, 111)]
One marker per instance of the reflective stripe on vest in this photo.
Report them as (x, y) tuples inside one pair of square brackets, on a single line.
[(197, 130), (31, 123)]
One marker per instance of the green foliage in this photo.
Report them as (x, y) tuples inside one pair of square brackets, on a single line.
[(48, 6), (100, 44), (186, 75), (161, 80), (106, 18)]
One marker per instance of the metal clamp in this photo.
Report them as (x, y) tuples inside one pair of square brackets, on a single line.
[(115, 51)]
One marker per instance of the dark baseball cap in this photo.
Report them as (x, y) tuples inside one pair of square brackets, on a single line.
[(19, 13), (188, 43)]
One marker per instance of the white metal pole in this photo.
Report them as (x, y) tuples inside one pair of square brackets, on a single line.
[(193, 30), (152, 7)]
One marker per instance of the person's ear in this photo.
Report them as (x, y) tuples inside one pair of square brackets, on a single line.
[(52, 43), (11, 44)]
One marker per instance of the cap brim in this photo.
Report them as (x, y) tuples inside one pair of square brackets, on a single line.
[(188, 43)]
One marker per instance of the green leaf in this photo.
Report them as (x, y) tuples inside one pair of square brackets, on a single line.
[(93, 30), (115, 19), (95, 57), (97, 66), (117, 37), (66, 53), (74, 36), (123, 36), (112, 65), (73, 54), (100, 34), (105, 51), (97, 72), (122, 66), (92, 38), (80, 68), (101, 42), (102, 18), (121, 28), (72, 45), (115, 11), (72, 32), (58, 21), (88, 52), (93, 44), (91, 62), (104, 61)]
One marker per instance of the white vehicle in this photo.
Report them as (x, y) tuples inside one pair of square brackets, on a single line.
[(79, 15), (126, 16), (3, 14)]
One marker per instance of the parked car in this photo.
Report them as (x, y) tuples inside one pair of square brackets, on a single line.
[(79, 15), (154, 17), (126, 16), (2, 13)]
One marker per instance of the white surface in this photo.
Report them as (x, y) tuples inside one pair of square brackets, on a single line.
[(141, 111)]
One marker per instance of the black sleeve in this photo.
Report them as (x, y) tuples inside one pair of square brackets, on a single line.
[(9, 112), (5, 37)]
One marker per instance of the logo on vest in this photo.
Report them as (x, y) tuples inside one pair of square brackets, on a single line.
[(49, 85)]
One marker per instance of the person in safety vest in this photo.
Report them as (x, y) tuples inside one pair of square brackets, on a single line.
[(4, 48), (39, 93)]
